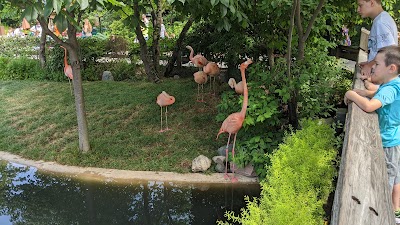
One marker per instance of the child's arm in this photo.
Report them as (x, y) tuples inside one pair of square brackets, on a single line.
[(365, 104), (365, 93)]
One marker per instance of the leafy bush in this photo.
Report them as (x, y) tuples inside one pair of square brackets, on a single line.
[(21, 69), (91, 49), (298, 182), (17, 46), (321, 83)]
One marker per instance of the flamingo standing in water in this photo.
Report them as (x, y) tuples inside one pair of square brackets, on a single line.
[(234, 121), (198, 60), (67, 68), (237, 86), (201, 78), (212, 70), (165, 99)]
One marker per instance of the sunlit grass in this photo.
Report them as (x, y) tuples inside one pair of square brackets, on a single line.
[(38, 121)]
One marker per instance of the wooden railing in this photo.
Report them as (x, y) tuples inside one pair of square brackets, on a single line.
[(362, 195)]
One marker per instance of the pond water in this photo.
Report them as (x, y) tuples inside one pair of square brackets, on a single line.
[(32, 197)]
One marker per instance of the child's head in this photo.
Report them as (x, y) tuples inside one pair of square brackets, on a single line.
[(387, 64), (368, 8)]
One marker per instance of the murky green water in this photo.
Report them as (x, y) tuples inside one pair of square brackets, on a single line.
[(30, 197)]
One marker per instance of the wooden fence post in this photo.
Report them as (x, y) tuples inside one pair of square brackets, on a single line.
[(362, 195)]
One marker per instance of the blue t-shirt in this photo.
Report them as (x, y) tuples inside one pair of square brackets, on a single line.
[(389, 114), (383, 33)]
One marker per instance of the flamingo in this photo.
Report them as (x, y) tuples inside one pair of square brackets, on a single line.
[(67, 68), (234, 121), (165, 99), (201, 78), (212, 70), (237, 86), (198, 60)]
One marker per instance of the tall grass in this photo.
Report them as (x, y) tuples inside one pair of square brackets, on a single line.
[(38, 121)]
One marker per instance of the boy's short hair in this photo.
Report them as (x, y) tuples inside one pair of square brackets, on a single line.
[(392, 55)]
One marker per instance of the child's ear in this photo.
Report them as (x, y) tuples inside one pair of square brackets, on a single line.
[(394, 69)]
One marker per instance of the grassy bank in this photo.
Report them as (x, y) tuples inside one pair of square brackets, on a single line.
[(38, 121)]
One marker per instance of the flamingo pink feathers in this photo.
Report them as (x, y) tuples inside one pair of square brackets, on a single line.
[(234, 121), (67, 67), (164, 100), (198, 60), (200, 78)]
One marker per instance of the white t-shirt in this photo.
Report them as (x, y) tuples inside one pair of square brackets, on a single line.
[(383, 33), (162, 31)]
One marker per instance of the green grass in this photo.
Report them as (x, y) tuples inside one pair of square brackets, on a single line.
[(38, 121)]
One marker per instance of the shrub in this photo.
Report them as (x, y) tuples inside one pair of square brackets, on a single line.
[(321, 83), (298, 182), (21, 69), (19, 47)]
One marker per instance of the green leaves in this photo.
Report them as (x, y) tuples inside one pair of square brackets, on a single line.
[(57, 5), (30, 13), (61, 21), (83, 3)]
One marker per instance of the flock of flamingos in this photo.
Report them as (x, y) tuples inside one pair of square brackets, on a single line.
[(234, 121), (231, 124)]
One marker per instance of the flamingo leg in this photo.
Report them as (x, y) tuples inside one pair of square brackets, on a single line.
[(234, 179), (214, 86), (210, 83), (70, 85), (161, 119), (166, 118), (198, 92), (202, 92), (226, 158)]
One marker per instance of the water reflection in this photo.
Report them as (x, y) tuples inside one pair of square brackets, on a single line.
[(30, 197)]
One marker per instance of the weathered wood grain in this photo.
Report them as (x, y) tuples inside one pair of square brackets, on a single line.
[(362, 193)]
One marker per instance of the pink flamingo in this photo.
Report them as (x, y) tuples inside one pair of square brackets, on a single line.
[(198, 60), (165, 99), (67, 68), (234, 121), (237, 86), (201, 78), (212, 70)]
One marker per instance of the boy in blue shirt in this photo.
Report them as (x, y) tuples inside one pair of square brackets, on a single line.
[(386, 102)]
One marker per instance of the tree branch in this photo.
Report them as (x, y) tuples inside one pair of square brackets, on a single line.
[(314, 17), (299, 20)]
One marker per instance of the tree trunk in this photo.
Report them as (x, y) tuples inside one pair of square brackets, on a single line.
[(292, 105), (271, 57), (78, 90), (144, 53), (42, 50), (72, 47), (157, 16), (177, 48)]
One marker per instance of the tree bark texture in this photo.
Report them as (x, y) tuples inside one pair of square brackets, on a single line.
[(177, 48), (144, 53), (292, 105), (42, 49), (72, 47)]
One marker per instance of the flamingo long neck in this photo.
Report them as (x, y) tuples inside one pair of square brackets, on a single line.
[(65, 57), (245, 93), (191, 53)]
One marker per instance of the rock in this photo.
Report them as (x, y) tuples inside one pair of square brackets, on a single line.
[(201, 163), (107, 76), (219, 159), (220, 168), (176, 77), (221, 150), (247, 171)]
